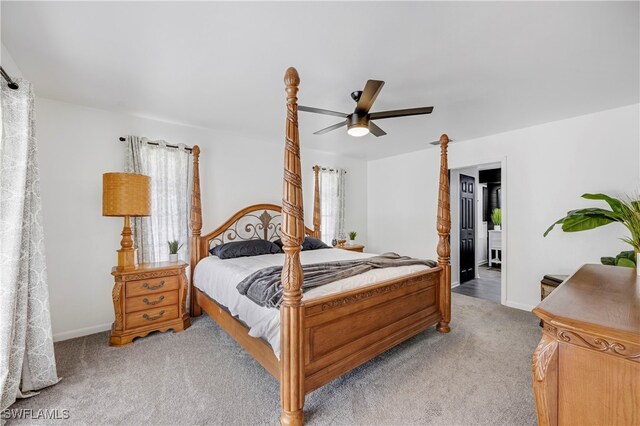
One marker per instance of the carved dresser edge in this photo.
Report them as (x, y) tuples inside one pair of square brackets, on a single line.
[(544, 374), (542, 356), (586, 340), (116, 295)]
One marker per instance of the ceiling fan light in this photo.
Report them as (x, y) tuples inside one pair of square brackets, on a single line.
[(358, 131)]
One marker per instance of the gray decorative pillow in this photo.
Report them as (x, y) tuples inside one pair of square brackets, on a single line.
[(309, 243), (244, 249)]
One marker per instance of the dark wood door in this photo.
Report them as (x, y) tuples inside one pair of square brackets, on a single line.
[(467, 228)]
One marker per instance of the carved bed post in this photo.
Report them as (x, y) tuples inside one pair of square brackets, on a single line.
[(196, 228), (444, 249), (291, 310), (316, 202)]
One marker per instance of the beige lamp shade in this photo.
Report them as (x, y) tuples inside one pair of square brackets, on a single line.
[(125, 194)]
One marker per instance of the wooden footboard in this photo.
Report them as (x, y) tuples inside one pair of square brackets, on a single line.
[(346, 330)]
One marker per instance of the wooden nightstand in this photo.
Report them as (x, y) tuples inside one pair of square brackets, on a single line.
[(352, 247), (149, 297), (550, 283)]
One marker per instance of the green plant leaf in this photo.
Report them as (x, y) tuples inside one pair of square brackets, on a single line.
[(558, 222), (594, 211), (625, 262), (580, 222), (615, 204), (608, 261), (628, 254)]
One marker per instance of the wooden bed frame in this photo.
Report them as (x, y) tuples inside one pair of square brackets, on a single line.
[(326, 337)]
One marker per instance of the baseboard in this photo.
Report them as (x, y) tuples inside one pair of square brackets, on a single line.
[(518, 305), (66, 335), (454, 285), (483, 262)]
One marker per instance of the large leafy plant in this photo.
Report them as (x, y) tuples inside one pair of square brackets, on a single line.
[(625, 211)]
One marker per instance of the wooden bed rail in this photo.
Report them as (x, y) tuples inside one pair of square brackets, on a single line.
[(291, 315), (443, 226), (196, 229), (316, 202)]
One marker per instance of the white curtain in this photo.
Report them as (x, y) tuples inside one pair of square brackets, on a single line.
[(332, 203), (171, 176), (27, 361)]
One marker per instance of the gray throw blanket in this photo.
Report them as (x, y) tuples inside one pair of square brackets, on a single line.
[(264, 287)]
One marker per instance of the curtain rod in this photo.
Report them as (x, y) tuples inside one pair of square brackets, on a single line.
[(123, 139), (12, 84), (330, 169)]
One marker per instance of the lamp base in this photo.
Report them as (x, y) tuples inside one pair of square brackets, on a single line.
[(127, 255), (127, 259)]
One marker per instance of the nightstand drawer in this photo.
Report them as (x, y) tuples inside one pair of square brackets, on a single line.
[(156, 285), (149, 301), (152, 316)]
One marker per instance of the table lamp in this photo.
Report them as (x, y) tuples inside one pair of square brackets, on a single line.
[(126, 195)]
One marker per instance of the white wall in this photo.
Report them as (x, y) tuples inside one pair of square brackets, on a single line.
[(548, 167), (78, 144)]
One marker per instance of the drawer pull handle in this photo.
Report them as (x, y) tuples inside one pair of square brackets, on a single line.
[(146, 301), (148, 287), (147, 317)]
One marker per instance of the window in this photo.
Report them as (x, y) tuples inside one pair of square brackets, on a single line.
[(332, 203), (170, 172)]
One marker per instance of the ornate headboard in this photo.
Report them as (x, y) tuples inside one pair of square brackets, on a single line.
[(260, 221), (257, 222)]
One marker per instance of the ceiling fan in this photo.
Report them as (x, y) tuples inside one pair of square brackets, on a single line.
[(359, 122)]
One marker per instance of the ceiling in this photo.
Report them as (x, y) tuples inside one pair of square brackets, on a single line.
[(485, 67)]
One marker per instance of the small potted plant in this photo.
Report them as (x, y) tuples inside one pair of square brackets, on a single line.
[(352, 237), (496, 218), (174, 247)]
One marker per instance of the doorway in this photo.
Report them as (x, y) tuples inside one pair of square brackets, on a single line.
[(476, 233)]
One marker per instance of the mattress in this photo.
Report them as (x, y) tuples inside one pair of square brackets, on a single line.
[(218, 279)]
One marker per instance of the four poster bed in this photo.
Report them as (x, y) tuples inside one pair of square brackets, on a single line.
[(323, 337)]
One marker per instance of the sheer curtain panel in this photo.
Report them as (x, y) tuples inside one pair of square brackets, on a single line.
[(27, 361), (170, 172), (332, 203)]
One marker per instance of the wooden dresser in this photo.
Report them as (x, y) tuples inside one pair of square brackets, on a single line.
[(149, 297), (586, 368)]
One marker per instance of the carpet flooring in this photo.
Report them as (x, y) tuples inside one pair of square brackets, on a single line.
[(478, 374)]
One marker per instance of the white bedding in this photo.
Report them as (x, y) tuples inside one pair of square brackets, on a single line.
[(219, 278)]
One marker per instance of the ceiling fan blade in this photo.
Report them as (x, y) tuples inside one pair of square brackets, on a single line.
[(400, 113), (375, 130), (330, 128), (322, 111), (369, 95)]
